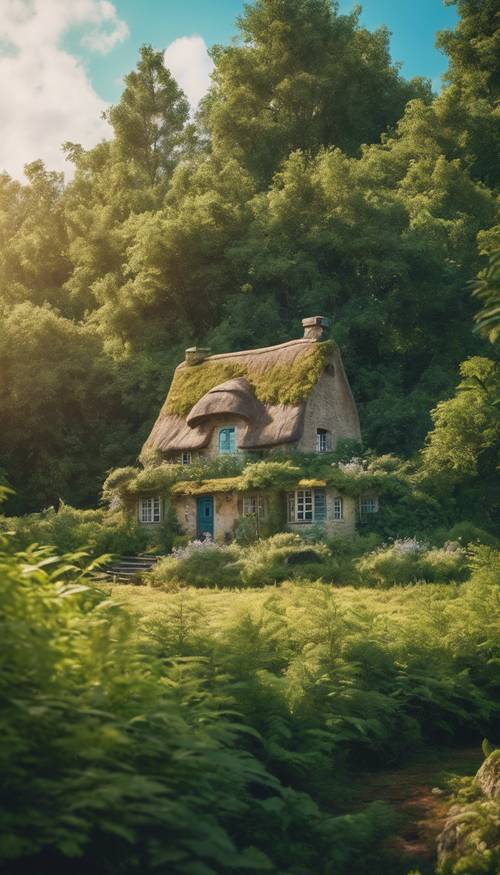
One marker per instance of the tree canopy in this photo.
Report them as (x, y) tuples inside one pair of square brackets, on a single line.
[(314, 178)]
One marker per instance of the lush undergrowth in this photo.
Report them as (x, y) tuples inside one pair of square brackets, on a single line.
[(287, 556), (206, 731), (68, 528)]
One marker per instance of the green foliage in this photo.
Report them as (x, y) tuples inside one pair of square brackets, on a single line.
[(409, 561), (63, 421), (149, 769), (328, 675), (256, 564), (148, 121), (67, 529), (487, 289), (470, 841), (301, 77)]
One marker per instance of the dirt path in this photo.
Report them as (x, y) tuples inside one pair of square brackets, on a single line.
[(418, 793)]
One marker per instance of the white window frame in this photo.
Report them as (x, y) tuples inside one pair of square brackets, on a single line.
[(338, 508), (253, 505), (150, 510), (322, 440), (185, 457), (368, 504), (301, 506)]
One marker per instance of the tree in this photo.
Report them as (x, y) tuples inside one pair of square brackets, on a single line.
[(63, 424), (150, 118), (487, 289), (303, 77), (34, 258), (462, 452), (470, 105)]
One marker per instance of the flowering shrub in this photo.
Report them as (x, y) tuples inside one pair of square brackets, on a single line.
[(408, 561)]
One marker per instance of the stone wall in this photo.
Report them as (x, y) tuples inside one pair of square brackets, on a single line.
[(330, 406)]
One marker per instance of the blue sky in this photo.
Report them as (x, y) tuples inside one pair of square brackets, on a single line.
[(62, 62), (160, 22)]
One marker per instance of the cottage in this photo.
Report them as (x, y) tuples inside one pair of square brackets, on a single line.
[(291, 396)]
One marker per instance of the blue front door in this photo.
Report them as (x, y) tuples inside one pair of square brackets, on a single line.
[(205, 517)]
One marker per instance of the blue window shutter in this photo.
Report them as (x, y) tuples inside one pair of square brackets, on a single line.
[(319, 505)]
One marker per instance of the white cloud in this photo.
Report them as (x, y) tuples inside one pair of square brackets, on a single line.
[(188, 61), (45, 94)]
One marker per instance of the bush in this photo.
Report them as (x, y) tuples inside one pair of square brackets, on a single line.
[(408, 561), (199, 563), (114, 759), (68, 529), (205, 563)]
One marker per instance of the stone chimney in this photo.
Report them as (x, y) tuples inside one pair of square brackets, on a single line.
[(196, 354), (315, 327)]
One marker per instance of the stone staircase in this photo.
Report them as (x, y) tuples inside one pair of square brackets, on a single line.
[(127, 569)]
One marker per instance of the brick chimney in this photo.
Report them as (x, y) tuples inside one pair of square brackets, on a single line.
[(315, 327), (196, 354)]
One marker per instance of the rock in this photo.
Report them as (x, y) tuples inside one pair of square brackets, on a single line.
[(488, 776)]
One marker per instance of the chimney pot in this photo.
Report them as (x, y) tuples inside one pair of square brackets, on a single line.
[(315, 327), (196, 354)]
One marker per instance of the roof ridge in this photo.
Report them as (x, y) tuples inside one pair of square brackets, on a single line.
[(299, 341)]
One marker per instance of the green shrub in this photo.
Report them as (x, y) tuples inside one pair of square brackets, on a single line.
[(198, 563), (68, 529), (408, 561), (467, 533), (115, 759)]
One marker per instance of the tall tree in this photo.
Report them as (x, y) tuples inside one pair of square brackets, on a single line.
[(34, 256), (303, 77), (150, 118), (470, 106)]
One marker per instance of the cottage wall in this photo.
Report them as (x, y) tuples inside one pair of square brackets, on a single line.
[(227, 510), (331, 406), (226, 514)]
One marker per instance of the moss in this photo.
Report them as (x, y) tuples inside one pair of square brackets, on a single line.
[(191, 383), (221, 484), (277, 384), (306, 483)]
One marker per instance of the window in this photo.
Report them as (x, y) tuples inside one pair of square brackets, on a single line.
[(368, 504), (227, 440), (338, 508), (186, 458), (253, 505), (307, 506), (150, 510), (322, 440)]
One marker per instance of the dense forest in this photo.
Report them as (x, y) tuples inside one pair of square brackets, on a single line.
[(314, 179), (292, 704)]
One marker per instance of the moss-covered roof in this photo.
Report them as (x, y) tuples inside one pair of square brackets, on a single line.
[(278, 375), (203, 487)]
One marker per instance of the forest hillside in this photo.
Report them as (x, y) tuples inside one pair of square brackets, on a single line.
[(314, 179)]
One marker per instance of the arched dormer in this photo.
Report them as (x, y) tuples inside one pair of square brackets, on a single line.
[(234, 397)]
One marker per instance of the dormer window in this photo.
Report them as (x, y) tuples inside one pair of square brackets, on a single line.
[(227, 440), (322, 440)]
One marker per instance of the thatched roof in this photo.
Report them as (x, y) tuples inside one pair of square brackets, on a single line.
[(233, 396), (267, 388)]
